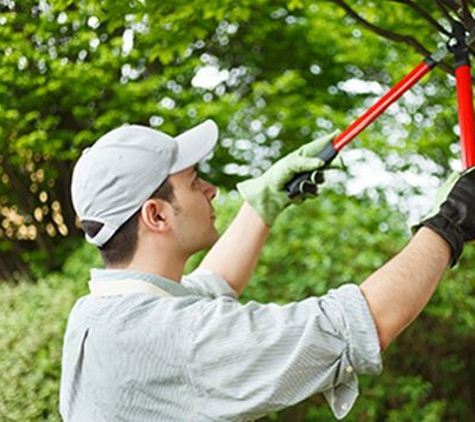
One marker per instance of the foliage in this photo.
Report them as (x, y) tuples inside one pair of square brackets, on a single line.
[(73, 70), (33, 322), (428, 372)]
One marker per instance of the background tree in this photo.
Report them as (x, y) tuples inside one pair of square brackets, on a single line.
[(283, 73)]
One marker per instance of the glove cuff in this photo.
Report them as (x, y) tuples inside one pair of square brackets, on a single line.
[(449, 231), (257, 195)]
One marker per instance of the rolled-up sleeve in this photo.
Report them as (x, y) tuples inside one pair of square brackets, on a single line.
[(353, 319), (249, 360)]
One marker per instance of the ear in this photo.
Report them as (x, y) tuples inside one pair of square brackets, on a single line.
[(154, 215)]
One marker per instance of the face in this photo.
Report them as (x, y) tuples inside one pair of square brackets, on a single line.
[(193, 217)]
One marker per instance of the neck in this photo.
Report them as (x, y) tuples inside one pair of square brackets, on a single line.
[(169, 267), (171, 272)]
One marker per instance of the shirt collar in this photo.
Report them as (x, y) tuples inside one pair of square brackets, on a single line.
[(172, 287)]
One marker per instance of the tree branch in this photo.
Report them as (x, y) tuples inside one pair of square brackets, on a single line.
[(441, 5), (467, 18), (389, 34), (422, 12), (383, 32), (454, 5)]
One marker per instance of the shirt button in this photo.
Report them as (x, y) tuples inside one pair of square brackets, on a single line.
[(349, 369), (344, 406)]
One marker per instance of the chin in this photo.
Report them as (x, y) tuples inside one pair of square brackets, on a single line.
[(214, 239)]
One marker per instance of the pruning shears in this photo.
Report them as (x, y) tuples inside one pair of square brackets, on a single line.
[(458, 46)]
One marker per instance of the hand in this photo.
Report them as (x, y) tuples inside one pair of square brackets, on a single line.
[(266, 194), (453, 216)]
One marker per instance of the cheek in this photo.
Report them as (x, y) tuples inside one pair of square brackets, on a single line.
[(195, 207), (200, 203)]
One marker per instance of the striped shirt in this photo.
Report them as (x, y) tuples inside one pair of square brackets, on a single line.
[(200, 355)]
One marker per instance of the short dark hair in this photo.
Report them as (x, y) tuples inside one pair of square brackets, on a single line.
[(120, 249)]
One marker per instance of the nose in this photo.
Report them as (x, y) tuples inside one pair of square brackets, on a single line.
[(209, 190)]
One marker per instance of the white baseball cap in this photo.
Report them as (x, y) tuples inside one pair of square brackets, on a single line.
[(115, 176)]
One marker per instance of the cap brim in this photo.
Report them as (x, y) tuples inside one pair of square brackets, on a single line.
[(194, 145)]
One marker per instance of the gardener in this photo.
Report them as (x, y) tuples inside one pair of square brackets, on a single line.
[(149, 344)]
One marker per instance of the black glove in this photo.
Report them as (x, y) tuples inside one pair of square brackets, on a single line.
[(454, 217)]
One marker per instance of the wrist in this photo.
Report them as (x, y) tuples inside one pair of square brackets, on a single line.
[(260, 198), (448, 231)]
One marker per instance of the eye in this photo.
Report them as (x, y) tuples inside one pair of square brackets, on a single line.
[(195, 179)]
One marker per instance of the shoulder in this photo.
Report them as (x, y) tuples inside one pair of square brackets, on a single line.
[(204, 282)]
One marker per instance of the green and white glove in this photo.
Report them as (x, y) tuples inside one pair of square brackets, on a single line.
[(266, 193)]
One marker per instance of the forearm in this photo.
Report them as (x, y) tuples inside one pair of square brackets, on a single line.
[(399, 290), (235, 254)]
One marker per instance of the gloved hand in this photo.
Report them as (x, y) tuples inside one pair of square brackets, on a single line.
[(453, 217), (266, 193)]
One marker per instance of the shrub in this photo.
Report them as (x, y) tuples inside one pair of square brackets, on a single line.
[(428, 371)]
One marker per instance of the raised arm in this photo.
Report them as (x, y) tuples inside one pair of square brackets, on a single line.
[(234, 256), (398, 291), (236, 253)]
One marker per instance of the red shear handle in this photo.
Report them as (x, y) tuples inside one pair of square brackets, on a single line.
[(383, 103), (465, 114), (464, 95), (297, 185)]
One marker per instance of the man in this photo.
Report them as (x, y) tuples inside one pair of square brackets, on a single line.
[(149, 344)]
